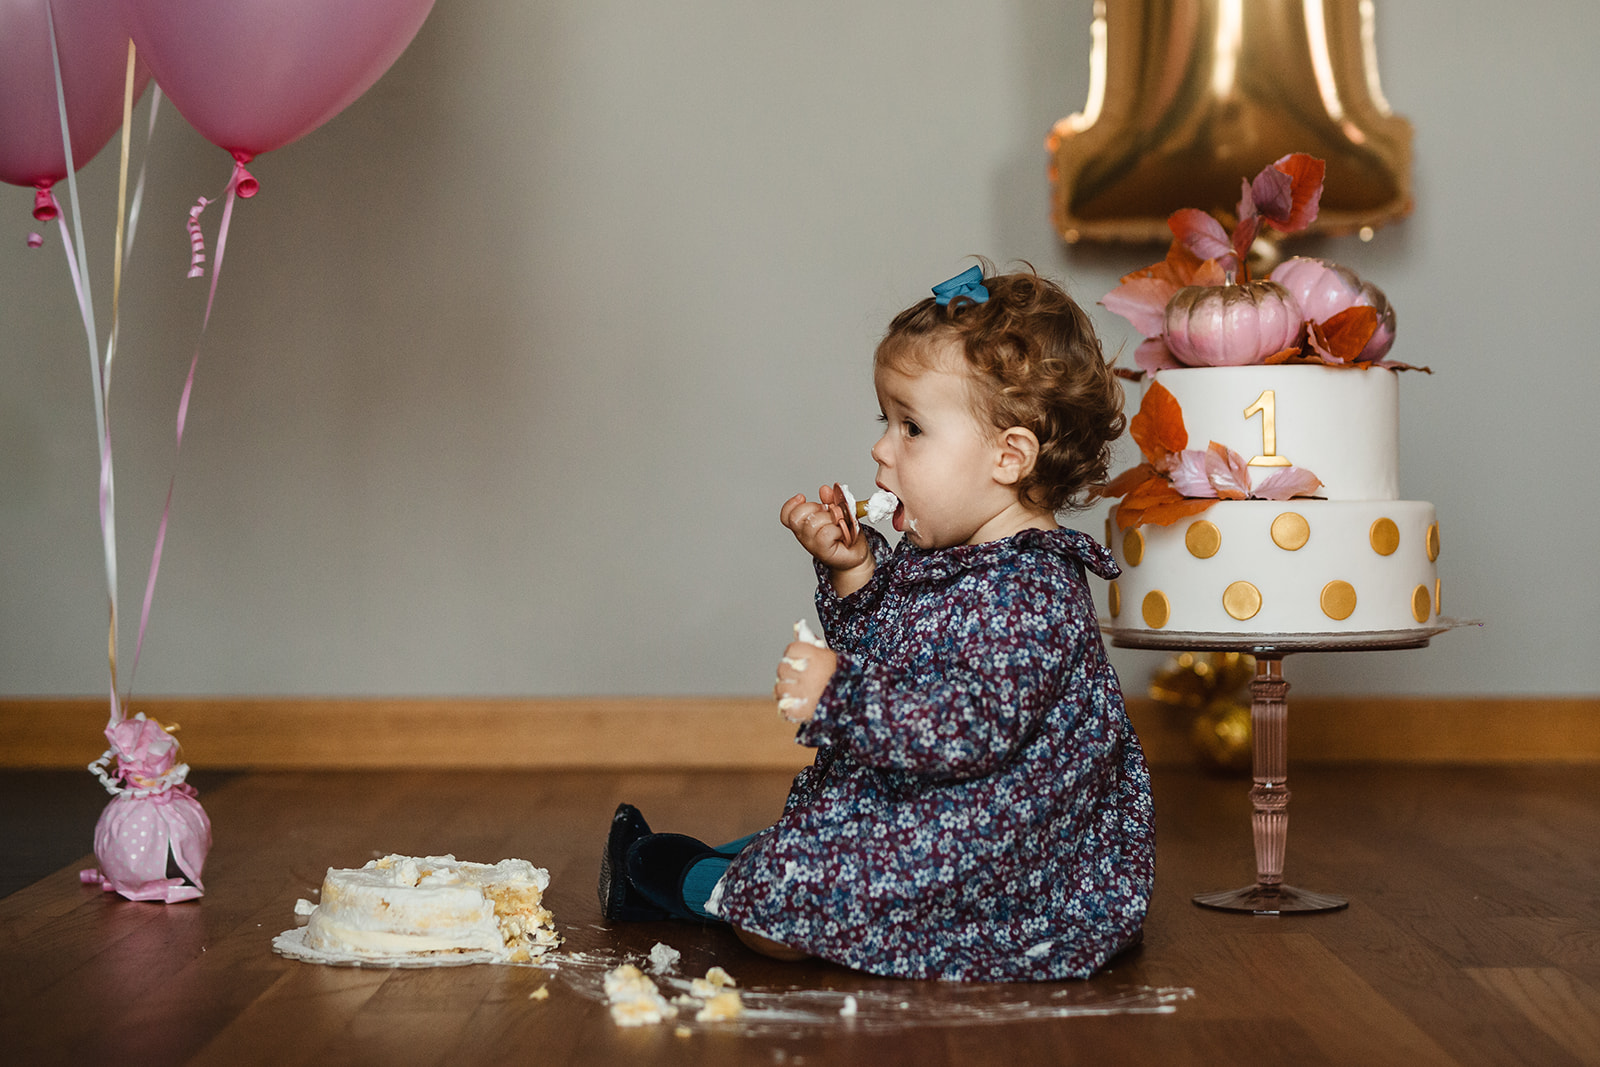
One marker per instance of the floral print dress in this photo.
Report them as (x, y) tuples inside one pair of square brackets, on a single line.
[(979, 807)]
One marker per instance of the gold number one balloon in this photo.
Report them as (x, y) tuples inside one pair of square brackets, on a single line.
[(1189, 97)]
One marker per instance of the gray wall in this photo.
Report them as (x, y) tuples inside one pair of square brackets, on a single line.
[(513, 362)]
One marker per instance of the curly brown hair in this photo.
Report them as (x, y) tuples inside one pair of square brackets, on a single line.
[(1035, 362)]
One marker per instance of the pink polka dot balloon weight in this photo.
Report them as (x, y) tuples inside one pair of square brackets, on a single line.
[(152, 839)]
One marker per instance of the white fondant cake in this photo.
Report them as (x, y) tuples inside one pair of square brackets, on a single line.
[(434, 906), (1340, 423), (1358, 560)]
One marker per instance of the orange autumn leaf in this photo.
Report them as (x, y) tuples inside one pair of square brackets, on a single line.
[(1124, 483), (1342, 337), (1156, 490), (1158, 503), (1170, 512), (1158, 427)]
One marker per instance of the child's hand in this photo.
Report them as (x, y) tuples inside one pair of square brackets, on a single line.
[(803, 674), (821, 531)]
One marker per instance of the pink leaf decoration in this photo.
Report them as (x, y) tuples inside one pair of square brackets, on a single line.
[(1154, 355), (1189, 476), (1142, 301), (1273, 195), (1285, 483), (1202, 234), (1247, 201), (1305, 180), (1227, 472)]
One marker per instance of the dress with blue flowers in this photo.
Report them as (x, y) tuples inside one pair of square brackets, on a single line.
[(979, 807)]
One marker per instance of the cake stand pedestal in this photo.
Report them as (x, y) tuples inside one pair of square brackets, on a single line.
[(1269, 720)]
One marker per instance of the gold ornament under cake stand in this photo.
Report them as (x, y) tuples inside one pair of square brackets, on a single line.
[(1269, 718)]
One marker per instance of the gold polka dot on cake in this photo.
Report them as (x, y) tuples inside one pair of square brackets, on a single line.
[(1338, 599), (1109, 542), (1438, 601), (1385, 537), (1157, 609), (1202, 539), (1421, 606), (1290, 531), (1433, 542), (1114, 594), (1133, 547), (1241, 600)]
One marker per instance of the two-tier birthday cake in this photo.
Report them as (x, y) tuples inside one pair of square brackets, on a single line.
[(1268, 496)]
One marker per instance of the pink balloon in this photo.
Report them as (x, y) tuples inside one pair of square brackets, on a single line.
[(254, 75), (92, 38)]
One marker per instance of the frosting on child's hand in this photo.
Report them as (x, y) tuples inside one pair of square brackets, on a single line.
[(804, 633)]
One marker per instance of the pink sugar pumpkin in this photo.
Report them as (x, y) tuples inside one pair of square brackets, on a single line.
[(1324, 289), (1231, 325)]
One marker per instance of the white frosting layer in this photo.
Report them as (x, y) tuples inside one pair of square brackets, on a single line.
[(1187, 591), (433, 904), (1340, 424)]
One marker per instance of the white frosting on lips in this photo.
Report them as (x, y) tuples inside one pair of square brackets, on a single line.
[(881, 505), (404, 905)]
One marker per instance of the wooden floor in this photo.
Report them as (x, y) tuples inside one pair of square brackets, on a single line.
[(1473, 935)]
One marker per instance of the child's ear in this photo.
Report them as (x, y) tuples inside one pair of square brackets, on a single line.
[(1018, 452)]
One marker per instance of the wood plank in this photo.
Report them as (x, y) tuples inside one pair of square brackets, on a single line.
[(1451, 950), (1561, 1006), (272, 733)]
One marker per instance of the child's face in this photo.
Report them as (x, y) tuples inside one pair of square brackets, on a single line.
[(936, 456)]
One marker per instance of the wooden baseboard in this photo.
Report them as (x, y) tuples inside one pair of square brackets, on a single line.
[(281, 733)]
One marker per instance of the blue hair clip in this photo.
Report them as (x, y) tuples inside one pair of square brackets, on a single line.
[(969, 283)]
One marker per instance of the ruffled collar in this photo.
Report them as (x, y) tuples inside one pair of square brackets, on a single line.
[(933, 564)]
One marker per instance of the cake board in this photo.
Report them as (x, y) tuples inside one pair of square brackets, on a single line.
[(1269, 720)]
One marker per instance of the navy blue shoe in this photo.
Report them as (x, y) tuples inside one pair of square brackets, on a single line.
[(657, 866), (619, 901)]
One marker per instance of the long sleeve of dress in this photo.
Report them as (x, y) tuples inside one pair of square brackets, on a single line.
[(974, 688)]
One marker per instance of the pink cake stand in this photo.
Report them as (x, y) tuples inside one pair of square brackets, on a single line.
[(1269, 719)]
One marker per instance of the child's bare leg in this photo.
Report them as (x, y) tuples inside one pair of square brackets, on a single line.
[(767, 947)]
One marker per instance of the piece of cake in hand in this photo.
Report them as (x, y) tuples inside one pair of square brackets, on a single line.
[(434, 906)]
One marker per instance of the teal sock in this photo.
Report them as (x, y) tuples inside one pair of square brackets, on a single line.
[(703, 875), (700, 880)]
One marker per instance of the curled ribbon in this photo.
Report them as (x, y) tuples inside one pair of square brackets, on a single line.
[(968, 284)]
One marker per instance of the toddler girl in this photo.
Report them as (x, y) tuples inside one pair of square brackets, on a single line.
[(979, 806)]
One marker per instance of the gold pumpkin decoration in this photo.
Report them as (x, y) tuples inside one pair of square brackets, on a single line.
[(1206, 687)]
